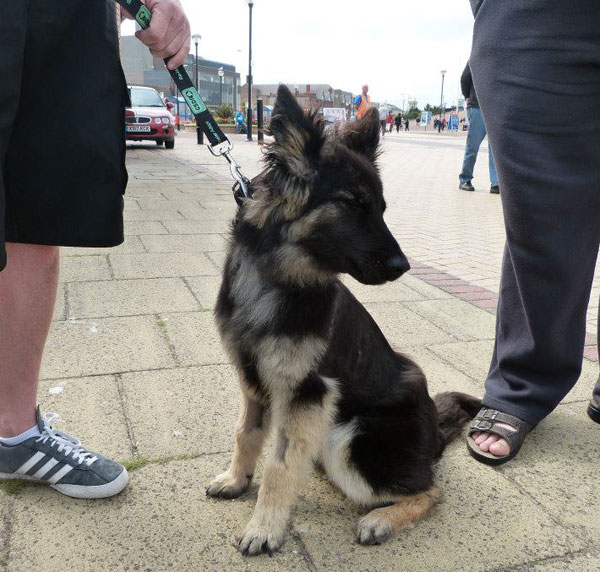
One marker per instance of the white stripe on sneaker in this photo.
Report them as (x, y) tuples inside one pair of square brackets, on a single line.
[(45, 469), (57, 476), (34, 460)]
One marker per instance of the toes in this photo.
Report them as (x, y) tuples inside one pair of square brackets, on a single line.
[(500, 448), (485, 445), (372, 532), (226, 487), (260, 540)]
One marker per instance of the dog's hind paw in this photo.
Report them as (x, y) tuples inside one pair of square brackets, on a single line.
[(226, 486), (260, 539), (373, 530)]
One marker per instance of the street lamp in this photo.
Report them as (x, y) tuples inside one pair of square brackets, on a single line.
[(249, 80), (221, 74), (441, 103), (199, 134)]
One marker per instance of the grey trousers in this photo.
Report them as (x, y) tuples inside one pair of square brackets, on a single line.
[(536, 68)]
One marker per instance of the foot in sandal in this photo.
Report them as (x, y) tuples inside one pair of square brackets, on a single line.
[(495, 437)]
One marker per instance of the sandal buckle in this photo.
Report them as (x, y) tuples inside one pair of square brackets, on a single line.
[(482, 425)]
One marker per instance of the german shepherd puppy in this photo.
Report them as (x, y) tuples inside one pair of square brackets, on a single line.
[(313, 365)]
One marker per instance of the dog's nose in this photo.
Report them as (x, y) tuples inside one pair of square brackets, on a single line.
[(398, 265)]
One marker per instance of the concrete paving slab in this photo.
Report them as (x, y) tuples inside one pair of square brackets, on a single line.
[(587, 562), (449, 540), (471, 358), (195, 226), (558, 467), (60, 305), (154, 214), (83, 268), (90, 409), (195, 338), (390, 292), (185, 243), (131, 245), (145, 227), (182, 411), (222, 212), (218, 258), (163, 521), (206, 289), (404, 328), (461, 319), (424, 289), (441, 376), (129, 297), (161, 265), (103, 346)]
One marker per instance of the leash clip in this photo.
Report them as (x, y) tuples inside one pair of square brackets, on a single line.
[(241, 187)]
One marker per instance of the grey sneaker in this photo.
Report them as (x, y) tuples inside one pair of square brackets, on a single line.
[(57, 459)]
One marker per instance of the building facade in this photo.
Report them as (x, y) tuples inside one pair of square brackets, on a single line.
[(141, 68), (309, 96)]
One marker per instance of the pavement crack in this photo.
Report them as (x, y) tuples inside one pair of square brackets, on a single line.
[(303, 550), (128, 424)]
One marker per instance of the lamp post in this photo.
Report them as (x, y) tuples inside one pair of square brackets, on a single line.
[(221, 74), (250, 6), (199, 134), (441, 103)]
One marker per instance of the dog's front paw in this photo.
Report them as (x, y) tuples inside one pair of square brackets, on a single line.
[(373, 529), (226, 486), (257, 539)]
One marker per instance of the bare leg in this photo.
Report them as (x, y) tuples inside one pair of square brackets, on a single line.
[(378, 525), (27, 296), (250, 434)]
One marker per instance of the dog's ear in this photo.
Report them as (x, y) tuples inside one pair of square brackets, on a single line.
[(362, 135), (298, 136)]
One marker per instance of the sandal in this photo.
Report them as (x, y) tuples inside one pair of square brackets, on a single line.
[(593, 411), (487, 421)]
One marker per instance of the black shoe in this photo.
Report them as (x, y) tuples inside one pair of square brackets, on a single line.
[(495, 189), (593, 411), (466, 186)]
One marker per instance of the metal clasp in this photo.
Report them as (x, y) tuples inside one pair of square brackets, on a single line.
[(224, 150)]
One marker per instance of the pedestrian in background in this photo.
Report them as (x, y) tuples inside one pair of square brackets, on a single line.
[(362, 102), (383, 114), (475, 136), (406, 125), (398, 122), (390, 122)]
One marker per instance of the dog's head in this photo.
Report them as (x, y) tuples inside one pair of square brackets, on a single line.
[(320, 198)]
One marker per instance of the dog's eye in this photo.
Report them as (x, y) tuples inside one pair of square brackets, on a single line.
[(353, 200)]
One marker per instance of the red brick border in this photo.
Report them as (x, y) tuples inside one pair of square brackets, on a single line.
[(478, 296)]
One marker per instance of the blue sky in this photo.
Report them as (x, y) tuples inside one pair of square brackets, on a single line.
[(397, 47)]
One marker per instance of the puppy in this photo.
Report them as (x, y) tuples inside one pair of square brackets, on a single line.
[(314, 367)]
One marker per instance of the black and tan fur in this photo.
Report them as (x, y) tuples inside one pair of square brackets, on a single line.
[(315, 369)]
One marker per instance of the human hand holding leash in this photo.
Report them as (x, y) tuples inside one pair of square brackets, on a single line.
[(168, 35)]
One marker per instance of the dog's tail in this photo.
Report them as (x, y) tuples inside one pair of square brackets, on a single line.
[(454, 410)]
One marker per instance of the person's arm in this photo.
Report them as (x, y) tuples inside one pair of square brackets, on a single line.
[(168, 35), (466, 81)]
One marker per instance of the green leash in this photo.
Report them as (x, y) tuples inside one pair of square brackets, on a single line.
[(219, 143)]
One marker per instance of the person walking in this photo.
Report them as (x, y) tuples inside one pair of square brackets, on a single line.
[(548, 164), (406, 124), (362, 102), (383, 114), (68, 193), (390, 122), (475, 136), (398, 122)]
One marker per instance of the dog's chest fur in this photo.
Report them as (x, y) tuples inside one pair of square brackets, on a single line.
[(276, 334)]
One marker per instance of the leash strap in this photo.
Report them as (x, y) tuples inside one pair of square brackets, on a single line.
[(219, 142)]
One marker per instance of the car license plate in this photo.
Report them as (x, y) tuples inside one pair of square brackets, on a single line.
[(137, 128)]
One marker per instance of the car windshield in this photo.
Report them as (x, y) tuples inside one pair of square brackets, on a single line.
[(145, 98)]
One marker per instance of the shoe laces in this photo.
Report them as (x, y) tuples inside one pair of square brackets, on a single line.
[(66, 444)]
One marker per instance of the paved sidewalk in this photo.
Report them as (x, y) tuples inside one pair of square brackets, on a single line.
[(136, 370)]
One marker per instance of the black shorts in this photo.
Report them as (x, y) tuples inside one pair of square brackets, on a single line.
[(62, 130)]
